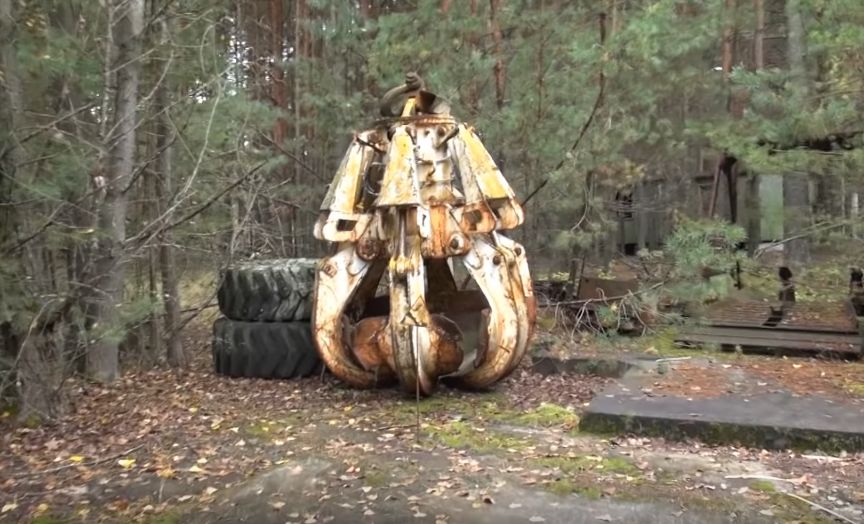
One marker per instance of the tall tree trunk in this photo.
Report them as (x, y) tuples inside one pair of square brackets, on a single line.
[(752, 201), (10, 109), (473, 97), (278, 95), (759, 36), (109, 268), (171, 321), (796, 186), (497, 38)]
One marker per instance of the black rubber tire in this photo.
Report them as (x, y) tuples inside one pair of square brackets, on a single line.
[(268, 290), (264, 349)]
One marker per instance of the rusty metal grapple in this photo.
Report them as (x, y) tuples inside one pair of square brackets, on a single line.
[(417, 198)]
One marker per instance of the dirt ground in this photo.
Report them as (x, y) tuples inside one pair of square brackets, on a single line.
[(160, 447)]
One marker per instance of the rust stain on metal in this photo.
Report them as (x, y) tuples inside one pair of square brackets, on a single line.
[(395, 207)]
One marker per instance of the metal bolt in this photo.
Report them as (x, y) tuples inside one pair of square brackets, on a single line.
[(456, 242), (496, 260), (329, 270), (518, 251)]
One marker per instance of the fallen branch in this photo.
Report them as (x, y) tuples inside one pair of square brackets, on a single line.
[(679, 359), (823, 508), (605, 300), (73, 465), (822, 457), (765, 477), (818, 228)]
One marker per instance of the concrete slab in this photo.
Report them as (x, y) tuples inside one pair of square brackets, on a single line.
[(295, 484), (771, 419)]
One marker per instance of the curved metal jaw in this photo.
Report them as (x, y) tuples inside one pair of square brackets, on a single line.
[(417, 345)]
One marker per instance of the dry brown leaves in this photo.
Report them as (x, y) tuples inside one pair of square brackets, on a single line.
[(833, 379)]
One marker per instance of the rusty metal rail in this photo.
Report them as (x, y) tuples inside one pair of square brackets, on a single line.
[(822, 328)]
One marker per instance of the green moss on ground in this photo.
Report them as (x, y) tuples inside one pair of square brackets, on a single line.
[(545, 415), (563, 487), (49, 519), (789, 509), (570, 465), (619, 465), (855, 389), (481, 405), (765, 486), (566, 465), (166, 517), (376, 479), (461, 435)]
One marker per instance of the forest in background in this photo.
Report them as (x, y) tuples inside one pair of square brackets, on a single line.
[(144, 143)]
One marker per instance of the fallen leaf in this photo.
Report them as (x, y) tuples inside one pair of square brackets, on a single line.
[(165, 473), (76, 459), (277, 505), (126, 463), (536, 518), (9, 507)]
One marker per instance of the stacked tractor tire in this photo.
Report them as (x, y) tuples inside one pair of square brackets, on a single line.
[(265, 331)]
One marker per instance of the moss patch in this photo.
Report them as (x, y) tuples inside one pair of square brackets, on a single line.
[(563, 487), (547, 415), (459, 434), (166, 517), (855, 389), (48, 519), (376, 479), (765, 486), (570, 465), (566, 465), (789, 509), (619, 465), (485, 406)]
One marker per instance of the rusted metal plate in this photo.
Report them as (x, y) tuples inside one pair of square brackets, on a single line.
[(604, 289), (738, 313), (748, 338), (828, 317), (591, 289)]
